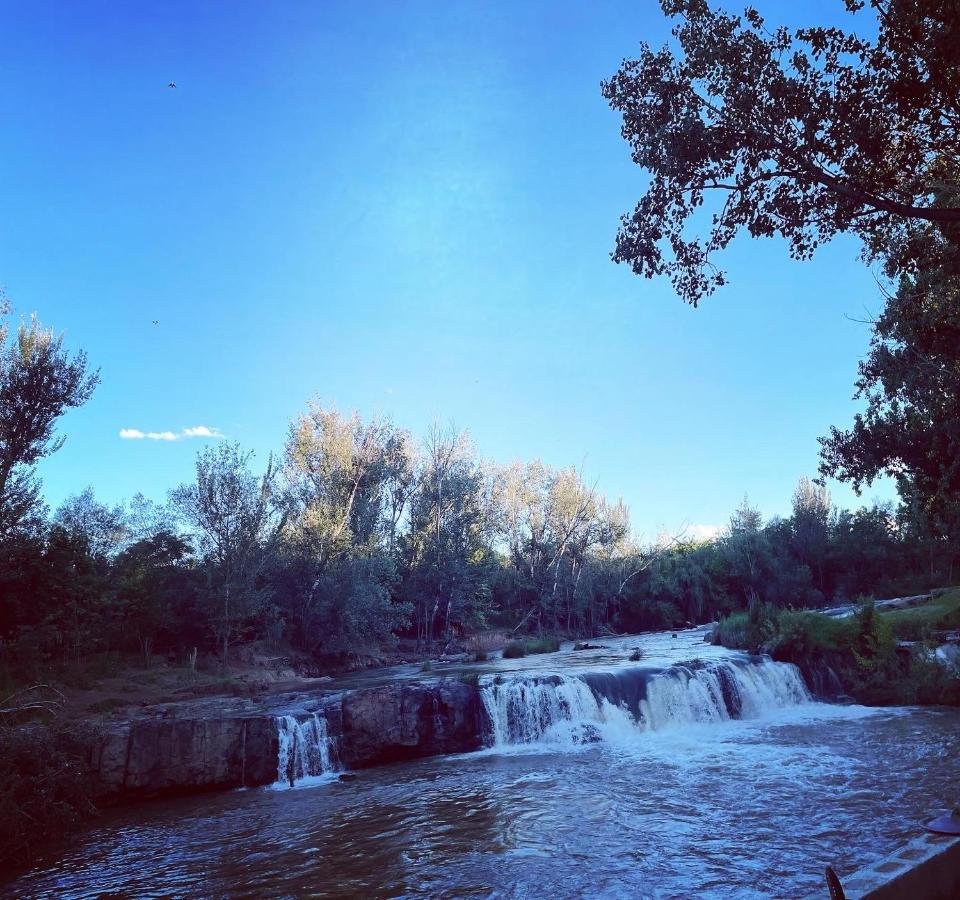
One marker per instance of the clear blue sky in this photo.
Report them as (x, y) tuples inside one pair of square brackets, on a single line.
[(406, 209)]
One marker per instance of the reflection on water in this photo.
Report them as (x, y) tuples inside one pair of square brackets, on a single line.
[(733, 809)]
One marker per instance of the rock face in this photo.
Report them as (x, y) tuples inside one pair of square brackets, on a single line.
[(403, 721), (152, 757), (192, 748)]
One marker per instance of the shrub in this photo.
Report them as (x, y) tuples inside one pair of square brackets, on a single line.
[(543, 645), (47, 787), (637, 655), (514, 650)]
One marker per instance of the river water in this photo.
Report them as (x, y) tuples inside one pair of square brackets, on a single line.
[(659, 794)]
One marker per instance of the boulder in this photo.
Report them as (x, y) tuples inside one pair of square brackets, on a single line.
[(403, 721)]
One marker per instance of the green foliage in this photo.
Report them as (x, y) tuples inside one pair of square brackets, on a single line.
[(46, 786), (543, 645), (924, 622), (911, 383), (727, 120), (860, 649), (39, 382), (514, 650)]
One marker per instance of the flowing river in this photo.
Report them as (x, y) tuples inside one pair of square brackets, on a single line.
[(695, 772)]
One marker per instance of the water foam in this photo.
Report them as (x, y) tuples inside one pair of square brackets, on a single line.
[(572, 710), (306, 752)]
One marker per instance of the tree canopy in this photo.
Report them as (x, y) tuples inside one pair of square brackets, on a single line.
[(38, 383), (801, 134), (910, 380)]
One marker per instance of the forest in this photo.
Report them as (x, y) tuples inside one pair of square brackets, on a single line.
[(355, 536)]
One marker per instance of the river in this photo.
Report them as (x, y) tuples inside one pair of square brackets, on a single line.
[(658, 793)]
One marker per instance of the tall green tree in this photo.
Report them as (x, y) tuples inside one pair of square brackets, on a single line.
[(39, 381), (349, 482), (237, 518), (910, 429), (802, 135), (446, 555)]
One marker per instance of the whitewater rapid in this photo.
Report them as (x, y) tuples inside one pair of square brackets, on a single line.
[(577, 708)]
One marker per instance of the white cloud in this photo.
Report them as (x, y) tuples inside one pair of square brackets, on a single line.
[(703, 532), (135, 434)]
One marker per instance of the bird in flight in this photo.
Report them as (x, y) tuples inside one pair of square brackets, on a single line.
[(156, 321), (172, 84)]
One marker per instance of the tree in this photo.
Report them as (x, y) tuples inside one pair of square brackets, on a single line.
[(38, 383), (446, 556), (560, 533), (154, 587), (802, 135), (237, 518), (810, 524), (103, 528), (910, 429), (349, 483)]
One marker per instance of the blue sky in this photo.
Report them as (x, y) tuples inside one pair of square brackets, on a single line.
[(404, 209)]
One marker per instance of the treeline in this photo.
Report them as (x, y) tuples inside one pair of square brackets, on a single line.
[(356, 535)]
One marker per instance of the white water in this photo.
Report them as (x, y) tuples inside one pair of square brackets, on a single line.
[(306, 751), (566, 709)]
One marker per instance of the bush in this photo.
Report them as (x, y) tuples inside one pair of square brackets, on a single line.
[(514, 650), (637, 655), (543, 645), (47, 787)]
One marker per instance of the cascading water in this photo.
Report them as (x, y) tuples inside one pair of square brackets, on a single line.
[(306, 750), (577, 709)]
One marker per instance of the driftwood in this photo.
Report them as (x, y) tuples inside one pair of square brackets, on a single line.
[(43, 698)]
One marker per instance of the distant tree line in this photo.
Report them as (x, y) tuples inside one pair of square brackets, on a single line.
[(356, 536)]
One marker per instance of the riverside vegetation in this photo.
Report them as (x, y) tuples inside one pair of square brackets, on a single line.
[(358, 539), (355, 538)]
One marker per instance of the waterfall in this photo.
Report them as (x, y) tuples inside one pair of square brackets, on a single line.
[(577, 709), (305, 750)]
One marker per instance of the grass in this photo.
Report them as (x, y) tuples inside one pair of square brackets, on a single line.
[(921, 623), (517, 649), (861, 649), (543, 645)]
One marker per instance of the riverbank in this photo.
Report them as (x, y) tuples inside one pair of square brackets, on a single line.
[(194, 744), (886, 654), (571, 803)]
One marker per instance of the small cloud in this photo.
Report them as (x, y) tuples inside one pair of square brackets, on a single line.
[(703, 532), (201, 431)]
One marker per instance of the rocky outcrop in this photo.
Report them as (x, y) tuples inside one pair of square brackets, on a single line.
[(402, 721), (188, 747), (151, 757)]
